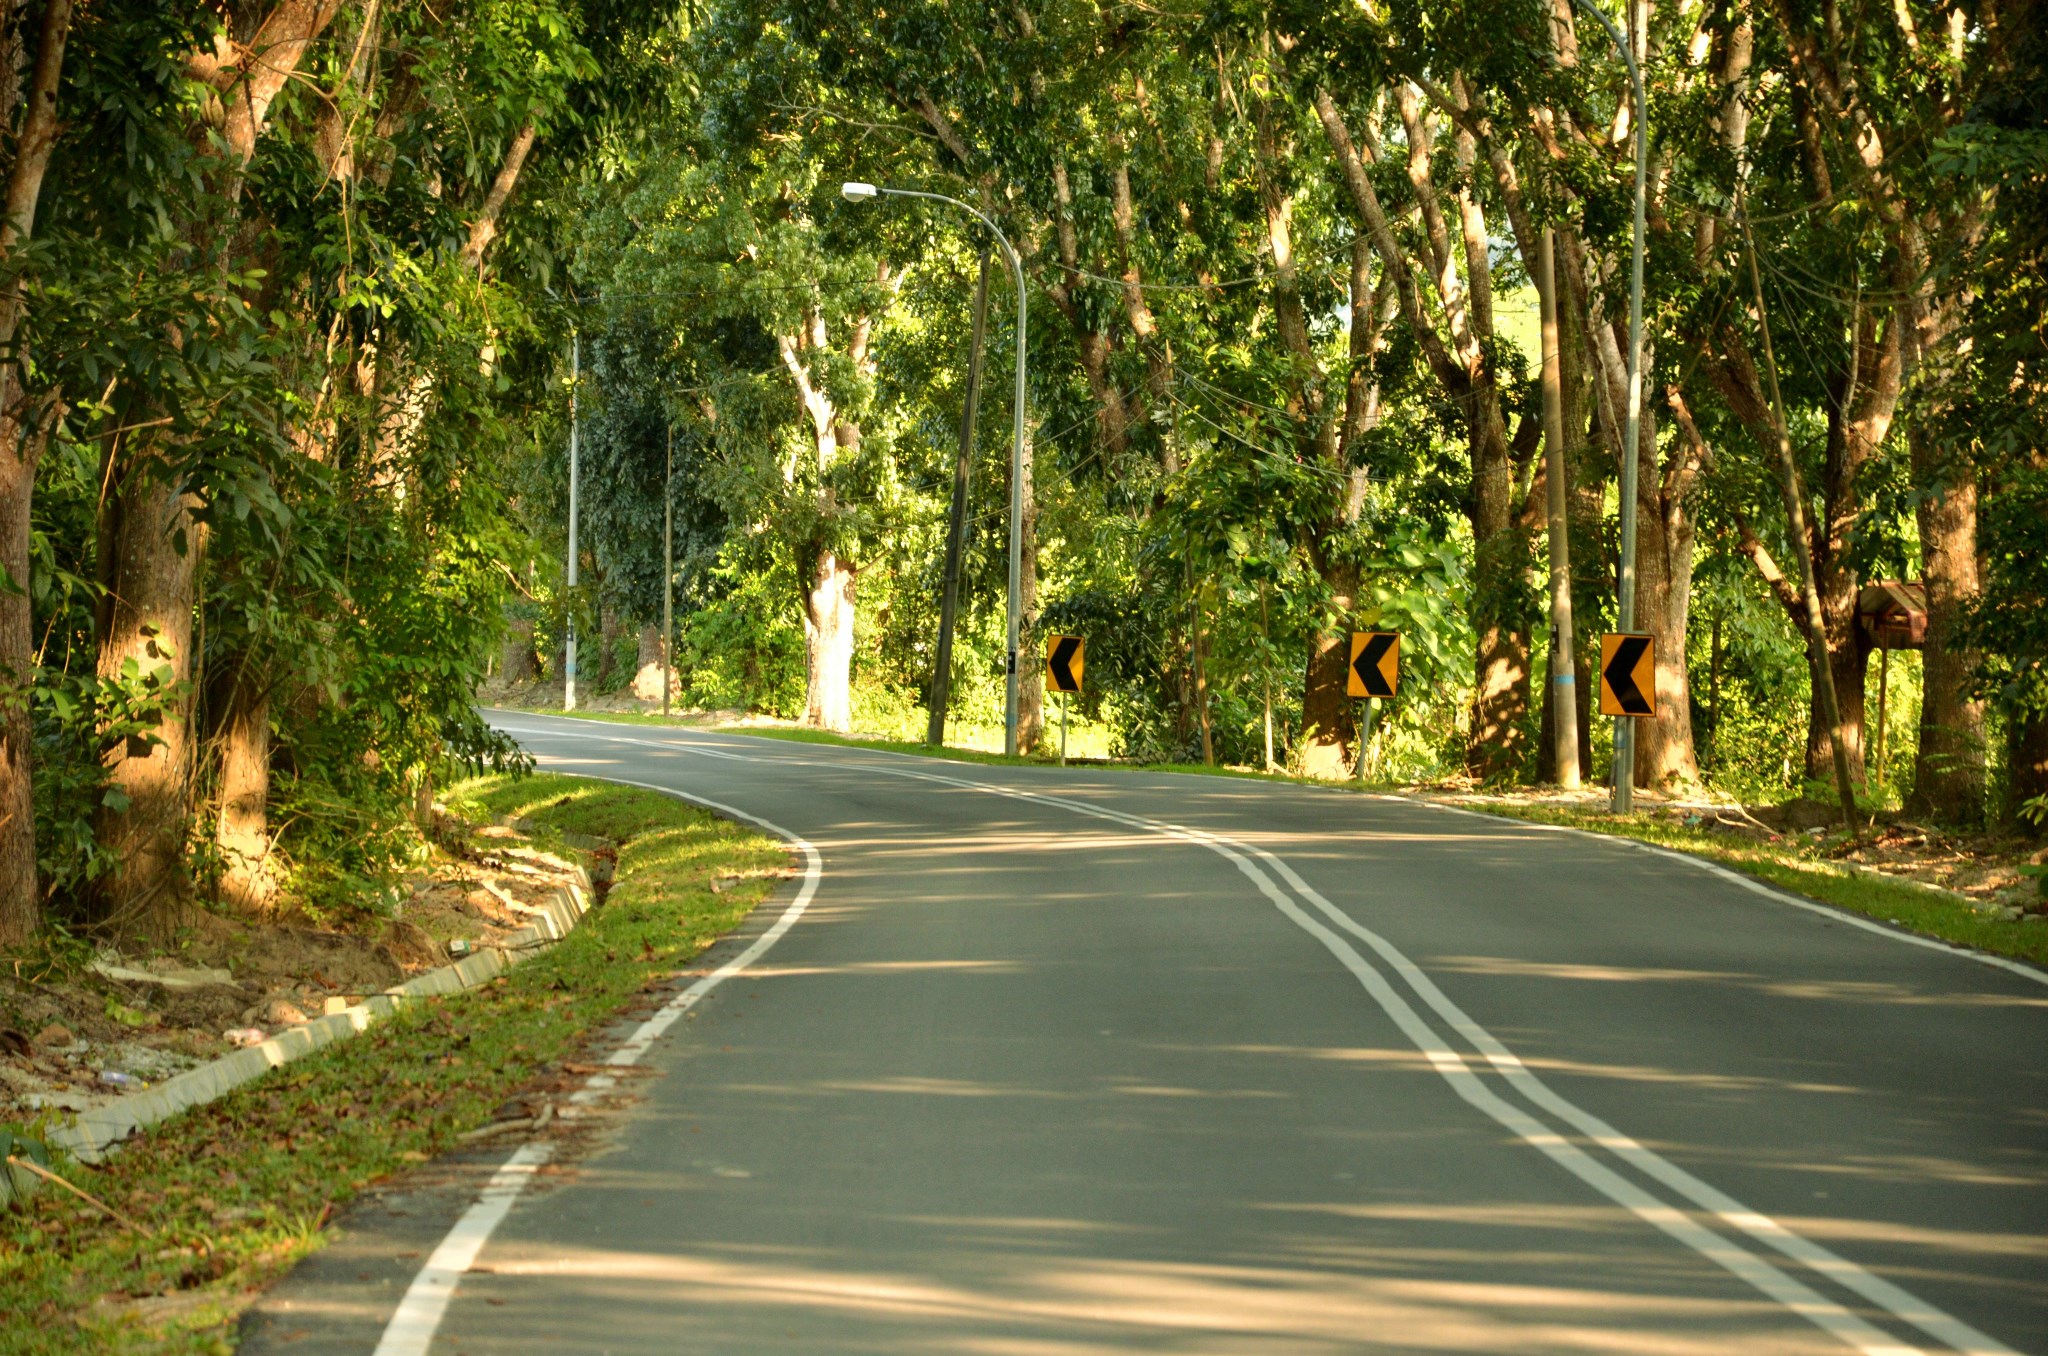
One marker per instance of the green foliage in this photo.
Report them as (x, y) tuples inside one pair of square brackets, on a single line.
[(742, 647)]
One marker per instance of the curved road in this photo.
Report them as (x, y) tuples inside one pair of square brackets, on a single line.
[(1065, 1061)]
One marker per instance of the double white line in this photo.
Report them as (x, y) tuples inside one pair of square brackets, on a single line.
[(1569, 1148)]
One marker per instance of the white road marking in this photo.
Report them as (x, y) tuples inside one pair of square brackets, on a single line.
[(1756, 886), (1801, 1299), (412, 1327), (1750, 883), (418, 1316)]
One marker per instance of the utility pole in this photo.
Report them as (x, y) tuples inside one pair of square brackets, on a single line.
[(862, 192), (668, 564), (1564, 715), (956, 532), (569, 660)]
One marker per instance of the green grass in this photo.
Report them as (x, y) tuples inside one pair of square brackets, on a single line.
[(232, 1194), (1800, 871)]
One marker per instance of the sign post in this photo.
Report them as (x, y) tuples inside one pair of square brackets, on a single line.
[(1064, 656), (1375, 672)]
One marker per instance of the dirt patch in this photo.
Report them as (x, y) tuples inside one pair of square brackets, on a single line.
[(76, 1038)]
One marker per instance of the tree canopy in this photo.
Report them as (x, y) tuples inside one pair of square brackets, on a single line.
[(291, 290)]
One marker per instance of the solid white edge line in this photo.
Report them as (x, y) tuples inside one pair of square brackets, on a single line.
[(418, 1317), (1768, 1279), (1901, 1303), (1452, 1067), (1755, 886), (419, 1313)]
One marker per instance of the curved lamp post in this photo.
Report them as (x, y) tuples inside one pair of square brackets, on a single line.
[(1624, 726), (859, 192)]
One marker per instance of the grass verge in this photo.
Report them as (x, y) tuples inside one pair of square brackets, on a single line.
[(230, 1195), (1902, 903)]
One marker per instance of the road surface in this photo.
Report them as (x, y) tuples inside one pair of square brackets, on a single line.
[(1065, 1061)]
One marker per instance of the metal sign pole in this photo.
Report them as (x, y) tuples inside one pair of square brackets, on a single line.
[(1063, 729), (569, 659), (668, 567), (1364, 736)]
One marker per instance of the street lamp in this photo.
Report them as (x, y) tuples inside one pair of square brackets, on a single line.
[(859, 192), (1624, 726)]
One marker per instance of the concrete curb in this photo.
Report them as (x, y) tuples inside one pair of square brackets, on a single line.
[(92, 1134)]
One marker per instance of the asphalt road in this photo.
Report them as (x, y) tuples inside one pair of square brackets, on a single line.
[(1065, 1061)]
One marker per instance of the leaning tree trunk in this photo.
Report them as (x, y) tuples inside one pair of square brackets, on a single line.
[(151, 555), (828, 644), (1948, 770)]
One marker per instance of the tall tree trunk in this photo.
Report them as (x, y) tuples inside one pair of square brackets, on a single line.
[(1849, 662), (1948, 769), (21, 445), (1328, 719), (242, 828), (828, 644), (1664, 532), (1498, 740), (150, 544), (150, 558), (23, 433), (611, 629), (1586, 498)]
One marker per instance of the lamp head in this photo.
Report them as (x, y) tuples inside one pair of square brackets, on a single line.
[(858, 192)]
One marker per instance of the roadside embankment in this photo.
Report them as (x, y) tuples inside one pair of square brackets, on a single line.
[(193, 1216)]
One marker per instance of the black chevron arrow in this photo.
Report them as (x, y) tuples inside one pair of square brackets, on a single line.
[(1620, 675), (1063, 652), (1367, 665)]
